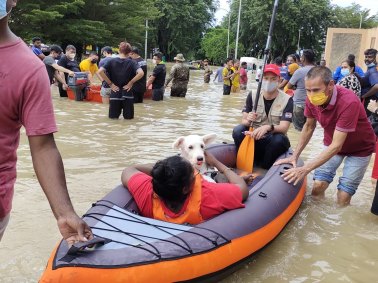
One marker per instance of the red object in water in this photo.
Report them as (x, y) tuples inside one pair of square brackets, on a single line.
[(148, 93)]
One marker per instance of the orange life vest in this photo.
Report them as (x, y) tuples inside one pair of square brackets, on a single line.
[(191, 214)]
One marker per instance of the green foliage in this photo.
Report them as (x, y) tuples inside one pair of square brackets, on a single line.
[(181, 27), (95, 22), (352, 16), (214, 44)]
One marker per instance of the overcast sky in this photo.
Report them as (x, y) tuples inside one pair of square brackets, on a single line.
[(368, 4)]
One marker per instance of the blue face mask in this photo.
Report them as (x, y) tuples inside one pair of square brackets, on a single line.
[(370, 65), (3, 8), (344, 72)]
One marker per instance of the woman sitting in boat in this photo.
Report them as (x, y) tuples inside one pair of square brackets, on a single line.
[(173, 191)]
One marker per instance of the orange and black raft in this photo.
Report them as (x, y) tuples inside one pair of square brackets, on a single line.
[(131, 248)]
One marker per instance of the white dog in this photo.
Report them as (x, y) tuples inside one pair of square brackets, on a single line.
[(192, 148)]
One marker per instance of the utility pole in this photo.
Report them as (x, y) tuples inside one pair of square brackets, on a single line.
[(145, 41), (237, 32)]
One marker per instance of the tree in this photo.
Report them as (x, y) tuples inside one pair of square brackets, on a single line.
[(79, 22), (352, 16), (311, 17), (182, 24)]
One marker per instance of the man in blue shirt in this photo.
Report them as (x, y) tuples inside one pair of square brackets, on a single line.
[(370, 80), (36, 48)]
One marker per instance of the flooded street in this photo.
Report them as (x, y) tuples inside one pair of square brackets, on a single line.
[(321, 244)]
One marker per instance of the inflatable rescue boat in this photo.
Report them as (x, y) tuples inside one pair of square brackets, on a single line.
[(130, 248)]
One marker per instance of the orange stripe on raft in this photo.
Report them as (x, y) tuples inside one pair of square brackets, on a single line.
[(194, 266)]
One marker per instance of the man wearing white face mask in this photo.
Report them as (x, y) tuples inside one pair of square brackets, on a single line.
[(348, 137), (67, 61), (271, 121)]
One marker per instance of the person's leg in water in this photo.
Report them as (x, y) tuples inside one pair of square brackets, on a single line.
[(324, 175), (115, 108), (353, 173), (128, 108)]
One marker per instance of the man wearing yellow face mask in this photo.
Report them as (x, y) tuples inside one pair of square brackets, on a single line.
[(348, 137)]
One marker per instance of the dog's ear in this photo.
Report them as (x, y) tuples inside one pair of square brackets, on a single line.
[(209, 138), (177, 144)]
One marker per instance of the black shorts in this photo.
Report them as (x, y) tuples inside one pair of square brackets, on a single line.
[(226, 89), (124, 106)]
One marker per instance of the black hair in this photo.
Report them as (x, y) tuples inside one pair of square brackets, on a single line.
[(135, 50), (34, 39), (93, 53), (278, 61), (296, 57), (107, 49), (243, 63), (159, 55), (309, 55), (350, 64), (56, 48), (371, 51), (351, 57), (320, 72), (170, 177), (229, 59)]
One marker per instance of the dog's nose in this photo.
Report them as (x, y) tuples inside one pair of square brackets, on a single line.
[(199, 158)]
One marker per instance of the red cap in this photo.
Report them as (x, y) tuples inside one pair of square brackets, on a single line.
[(272, 68)]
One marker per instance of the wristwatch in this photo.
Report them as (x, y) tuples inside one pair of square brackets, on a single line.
[(271, 128)]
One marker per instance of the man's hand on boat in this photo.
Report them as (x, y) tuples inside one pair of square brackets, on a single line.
[(295, 174), (74, 229)]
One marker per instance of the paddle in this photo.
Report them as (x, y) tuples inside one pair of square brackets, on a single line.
[(246, 152)]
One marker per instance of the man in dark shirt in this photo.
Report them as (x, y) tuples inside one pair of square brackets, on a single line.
[(121, 74), (139, 87), (53, 68), (68, 61), (157, 78)]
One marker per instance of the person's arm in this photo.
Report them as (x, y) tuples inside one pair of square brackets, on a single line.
[(283, 84), (60, 79), (49, 169), (231, 176), (150, 80), (41, 56), (372, 91), (62, 69), (215, 77), (138, 76), (101, 72), (128, 172), (170, 77), (304, 138), (294, 175)]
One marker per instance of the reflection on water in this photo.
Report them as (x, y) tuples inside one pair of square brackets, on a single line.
[(321, 243)]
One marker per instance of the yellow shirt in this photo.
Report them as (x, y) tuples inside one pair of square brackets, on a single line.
[(87, 66), (226, 72), (236, 79)]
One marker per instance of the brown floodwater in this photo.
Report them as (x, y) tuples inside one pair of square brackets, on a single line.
[(322, 243)]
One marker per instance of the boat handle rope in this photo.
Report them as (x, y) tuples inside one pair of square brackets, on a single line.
[(160, 227), (133, 235)]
